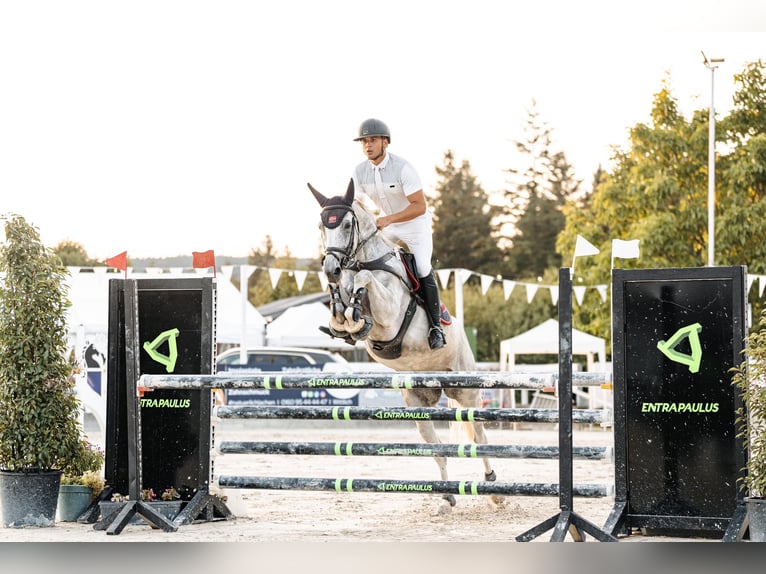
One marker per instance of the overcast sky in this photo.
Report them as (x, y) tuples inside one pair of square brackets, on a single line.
[(165, 127)]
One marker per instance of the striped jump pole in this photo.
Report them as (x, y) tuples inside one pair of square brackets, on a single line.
[(399, 380), (337, 413), (471, 450), (460, 487)]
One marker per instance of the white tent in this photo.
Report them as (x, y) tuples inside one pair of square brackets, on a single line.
[(544, 339), (299, 327)]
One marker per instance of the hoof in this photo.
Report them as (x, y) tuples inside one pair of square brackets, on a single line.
[(362, 333), (496, 501), (490, 476)]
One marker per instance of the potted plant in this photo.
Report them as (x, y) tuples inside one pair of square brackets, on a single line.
[(40, 431), (750, 379), (81, 483)]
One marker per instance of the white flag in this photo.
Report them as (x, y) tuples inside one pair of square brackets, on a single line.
[(584, 247), (625, 249)]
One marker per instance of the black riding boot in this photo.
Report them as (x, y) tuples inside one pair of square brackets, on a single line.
[(429, 290)]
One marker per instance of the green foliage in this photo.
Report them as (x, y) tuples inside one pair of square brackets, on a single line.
[(463, 231), (657, 193), (750, 379), (496, 318), (260, 289), (74, 255), (39, 426)]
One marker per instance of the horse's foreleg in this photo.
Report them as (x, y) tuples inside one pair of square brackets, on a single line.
[(480, 437), (358, 324)]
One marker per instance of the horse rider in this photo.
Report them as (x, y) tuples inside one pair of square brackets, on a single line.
[(393, 185)]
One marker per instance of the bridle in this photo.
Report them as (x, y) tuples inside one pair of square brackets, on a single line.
[(346, 256)]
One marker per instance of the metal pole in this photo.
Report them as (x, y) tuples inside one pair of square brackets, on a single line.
[(709, 64)]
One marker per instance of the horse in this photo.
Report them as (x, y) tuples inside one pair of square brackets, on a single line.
[(373, 299)]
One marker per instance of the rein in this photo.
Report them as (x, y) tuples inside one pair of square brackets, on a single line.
[(348, 260)]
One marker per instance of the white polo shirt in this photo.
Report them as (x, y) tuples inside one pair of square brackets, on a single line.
[(398, 179)]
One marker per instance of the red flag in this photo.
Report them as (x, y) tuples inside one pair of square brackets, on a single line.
[(203, 259), (119, 261)]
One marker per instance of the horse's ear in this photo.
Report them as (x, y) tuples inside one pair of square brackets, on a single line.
[(349, 197), (318, 196)]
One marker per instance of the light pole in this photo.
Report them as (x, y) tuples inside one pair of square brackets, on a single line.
[(711, 65)]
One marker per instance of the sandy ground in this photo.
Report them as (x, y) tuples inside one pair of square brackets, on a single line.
[(307, 516)]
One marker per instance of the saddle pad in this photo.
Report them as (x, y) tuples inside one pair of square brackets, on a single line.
[(445, 318)]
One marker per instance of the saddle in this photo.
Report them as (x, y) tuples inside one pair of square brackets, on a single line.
[(408, 259)]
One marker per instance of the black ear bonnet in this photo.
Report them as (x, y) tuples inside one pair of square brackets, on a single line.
[(334, 210)]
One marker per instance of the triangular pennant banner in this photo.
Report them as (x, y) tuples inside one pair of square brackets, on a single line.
[(226, 271), (274, 274), (486, 282), (554, 289), (300, 278), (761, 284), (602, 291), (323, 281), (579, 292), (463, 275), (508, 287), (531, 290), (443, 275)]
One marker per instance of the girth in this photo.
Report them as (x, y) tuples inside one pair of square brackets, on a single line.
[(393, 349)]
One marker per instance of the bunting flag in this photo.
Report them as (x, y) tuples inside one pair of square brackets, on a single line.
[(274, 275), (203, 259), (120, 262), (508, 288), (300, 278), (486, 282)]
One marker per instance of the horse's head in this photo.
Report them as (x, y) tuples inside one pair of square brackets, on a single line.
[(340, 230)]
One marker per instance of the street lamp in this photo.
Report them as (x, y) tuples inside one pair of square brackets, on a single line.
[(711, 65)]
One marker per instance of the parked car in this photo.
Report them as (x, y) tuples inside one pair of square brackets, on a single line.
[(301, 359)]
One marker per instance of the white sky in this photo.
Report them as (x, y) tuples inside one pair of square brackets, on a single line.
[(165, 127)]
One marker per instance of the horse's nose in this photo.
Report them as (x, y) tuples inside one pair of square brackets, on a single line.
[(332, 269)]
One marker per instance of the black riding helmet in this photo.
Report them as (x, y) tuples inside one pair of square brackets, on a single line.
[(372, 127)]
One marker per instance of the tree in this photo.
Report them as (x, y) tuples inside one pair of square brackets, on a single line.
[(74, 255), (464, 232), (260, 289), (535, 202), (657, 193)]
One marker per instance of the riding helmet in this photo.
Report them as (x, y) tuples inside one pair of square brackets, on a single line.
[(372, 127)]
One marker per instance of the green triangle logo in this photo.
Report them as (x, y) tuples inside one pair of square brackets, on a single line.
[(690, 332), (168, 360)]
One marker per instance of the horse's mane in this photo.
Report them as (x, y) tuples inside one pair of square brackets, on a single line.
[(366, 219)]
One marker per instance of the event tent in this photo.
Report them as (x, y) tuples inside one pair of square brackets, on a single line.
[(544, 339)]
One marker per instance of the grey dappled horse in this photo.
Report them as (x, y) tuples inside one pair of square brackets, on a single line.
[(372, 300)]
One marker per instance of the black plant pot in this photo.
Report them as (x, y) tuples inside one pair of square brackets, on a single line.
[(29, 498), (756, 510)]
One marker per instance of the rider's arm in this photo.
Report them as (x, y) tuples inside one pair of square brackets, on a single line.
[(415, 208)]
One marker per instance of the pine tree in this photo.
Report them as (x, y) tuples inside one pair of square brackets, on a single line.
[(464, 232), (535, 202)]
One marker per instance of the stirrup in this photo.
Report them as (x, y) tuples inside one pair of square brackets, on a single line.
[(436, 338)]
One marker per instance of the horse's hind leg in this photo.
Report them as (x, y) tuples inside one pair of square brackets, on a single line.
[(428, 432), (469, 398), (428, 398)]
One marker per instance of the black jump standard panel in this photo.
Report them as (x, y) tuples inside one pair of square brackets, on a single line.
[(676, 335), (159, 326)]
